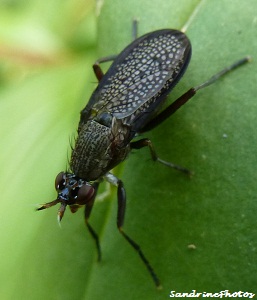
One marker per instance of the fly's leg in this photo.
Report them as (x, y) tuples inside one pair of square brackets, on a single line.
[(134, 29), (147, 143), (121, 194), (120, 221), (96, 66), (87, 212), (171, 109)]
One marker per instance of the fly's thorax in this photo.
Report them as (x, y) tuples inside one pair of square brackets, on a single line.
[(102, 143)]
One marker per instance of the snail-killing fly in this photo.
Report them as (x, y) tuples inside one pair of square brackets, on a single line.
[(124, 104)]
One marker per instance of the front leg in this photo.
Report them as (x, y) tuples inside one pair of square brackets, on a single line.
[(87, 212), (121, 194)]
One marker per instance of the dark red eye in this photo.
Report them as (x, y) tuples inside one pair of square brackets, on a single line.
[(60, 181), (85, 194)]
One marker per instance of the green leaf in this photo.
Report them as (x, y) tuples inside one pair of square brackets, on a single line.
[(198, 233)]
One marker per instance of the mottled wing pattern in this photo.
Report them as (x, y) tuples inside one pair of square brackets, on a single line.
[(141, 75)]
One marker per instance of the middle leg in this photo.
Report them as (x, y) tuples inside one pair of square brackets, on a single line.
[(147, 143)]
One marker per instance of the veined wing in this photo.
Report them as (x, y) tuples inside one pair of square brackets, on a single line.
[(141, 76)]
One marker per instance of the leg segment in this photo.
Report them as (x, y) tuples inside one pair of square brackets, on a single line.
[(134, 29), (171, 109), (120, 221), (147, 143), (96, 67), (87, 212), (121, 193)]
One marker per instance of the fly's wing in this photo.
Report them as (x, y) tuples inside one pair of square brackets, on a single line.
[(140, 77)]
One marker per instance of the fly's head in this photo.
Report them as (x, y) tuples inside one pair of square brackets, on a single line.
[(72, 191)]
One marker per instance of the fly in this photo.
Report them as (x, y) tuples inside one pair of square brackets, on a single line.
[(125, 103)]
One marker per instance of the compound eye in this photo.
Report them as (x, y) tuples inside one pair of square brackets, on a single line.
[(60, 181), (85, 194)]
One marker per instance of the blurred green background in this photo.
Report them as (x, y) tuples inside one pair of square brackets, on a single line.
[(46, 54)]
